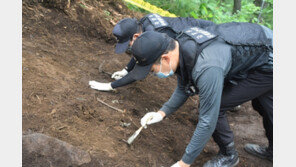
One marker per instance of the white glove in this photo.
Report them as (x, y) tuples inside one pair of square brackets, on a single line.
[(176, 165), (119, 74), (156, 117), (100, 86)]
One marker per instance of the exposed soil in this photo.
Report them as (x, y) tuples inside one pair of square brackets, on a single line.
[(68, 43)]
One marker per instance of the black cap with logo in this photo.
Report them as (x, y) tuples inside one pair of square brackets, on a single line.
[(124, 31), (147, 48)]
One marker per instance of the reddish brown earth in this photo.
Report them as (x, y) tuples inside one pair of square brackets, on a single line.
[(64, 46)]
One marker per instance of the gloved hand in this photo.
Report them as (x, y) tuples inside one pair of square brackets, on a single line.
[(180, 164), (156, 117), (101, 86), (119, 74), (176, 165)]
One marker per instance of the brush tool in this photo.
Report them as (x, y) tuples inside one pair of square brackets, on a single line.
[(134, 136)]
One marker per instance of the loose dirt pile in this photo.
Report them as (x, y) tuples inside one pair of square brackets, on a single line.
[(67, 43)]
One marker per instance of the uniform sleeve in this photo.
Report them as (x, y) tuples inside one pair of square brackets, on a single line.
[(210, 84), (177, 99), (123, 81), (130, 65)]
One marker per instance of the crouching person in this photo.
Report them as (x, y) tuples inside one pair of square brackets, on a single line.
[(227, 65)]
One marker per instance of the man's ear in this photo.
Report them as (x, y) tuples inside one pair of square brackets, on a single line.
[(136, 35), (166, 58)]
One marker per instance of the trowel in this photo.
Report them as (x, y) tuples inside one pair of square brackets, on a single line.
[(133, 137)]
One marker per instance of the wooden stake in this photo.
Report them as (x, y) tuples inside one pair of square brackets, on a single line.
[(114, 108)]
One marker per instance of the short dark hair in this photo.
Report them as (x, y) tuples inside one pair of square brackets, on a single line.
[(170, 47), (139, 30)]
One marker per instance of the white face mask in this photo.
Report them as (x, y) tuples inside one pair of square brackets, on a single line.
[(162, 75)]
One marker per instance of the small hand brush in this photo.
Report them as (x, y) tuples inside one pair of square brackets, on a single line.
[(133, 137)]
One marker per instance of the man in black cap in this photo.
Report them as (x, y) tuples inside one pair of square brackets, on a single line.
[(227, 65), (127, 30)]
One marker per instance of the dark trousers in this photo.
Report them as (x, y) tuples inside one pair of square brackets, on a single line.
[(258, 87)]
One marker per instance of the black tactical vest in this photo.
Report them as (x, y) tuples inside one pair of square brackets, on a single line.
[(250, 49), (202, 39), (159, 24)]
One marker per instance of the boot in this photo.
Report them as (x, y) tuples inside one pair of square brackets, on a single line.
[(227, 157), (259, 151)]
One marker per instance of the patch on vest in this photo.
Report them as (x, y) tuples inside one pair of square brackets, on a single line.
[(199, 35), (157, 21)]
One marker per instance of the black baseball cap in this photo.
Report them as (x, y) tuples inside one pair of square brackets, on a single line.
[(146, 49), (124, 31)]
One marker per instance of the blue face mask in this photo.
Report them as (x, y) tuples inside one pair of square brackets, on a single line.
[(162, 75)]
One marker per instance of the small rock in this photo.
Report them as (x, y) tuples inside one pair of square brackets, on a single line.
[(113, 22), (101, 4), (123, 124), (80, 107), (81, 99), (53, 111), (86, 112), (91, 111)]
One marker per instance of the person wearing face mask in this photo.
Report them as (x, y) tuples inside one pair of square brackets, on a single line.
[(227, 65), (163, 75), (128, 29)]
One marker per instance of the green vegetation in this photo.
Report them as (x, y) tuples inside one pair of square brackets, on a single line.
[(218, 11)]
